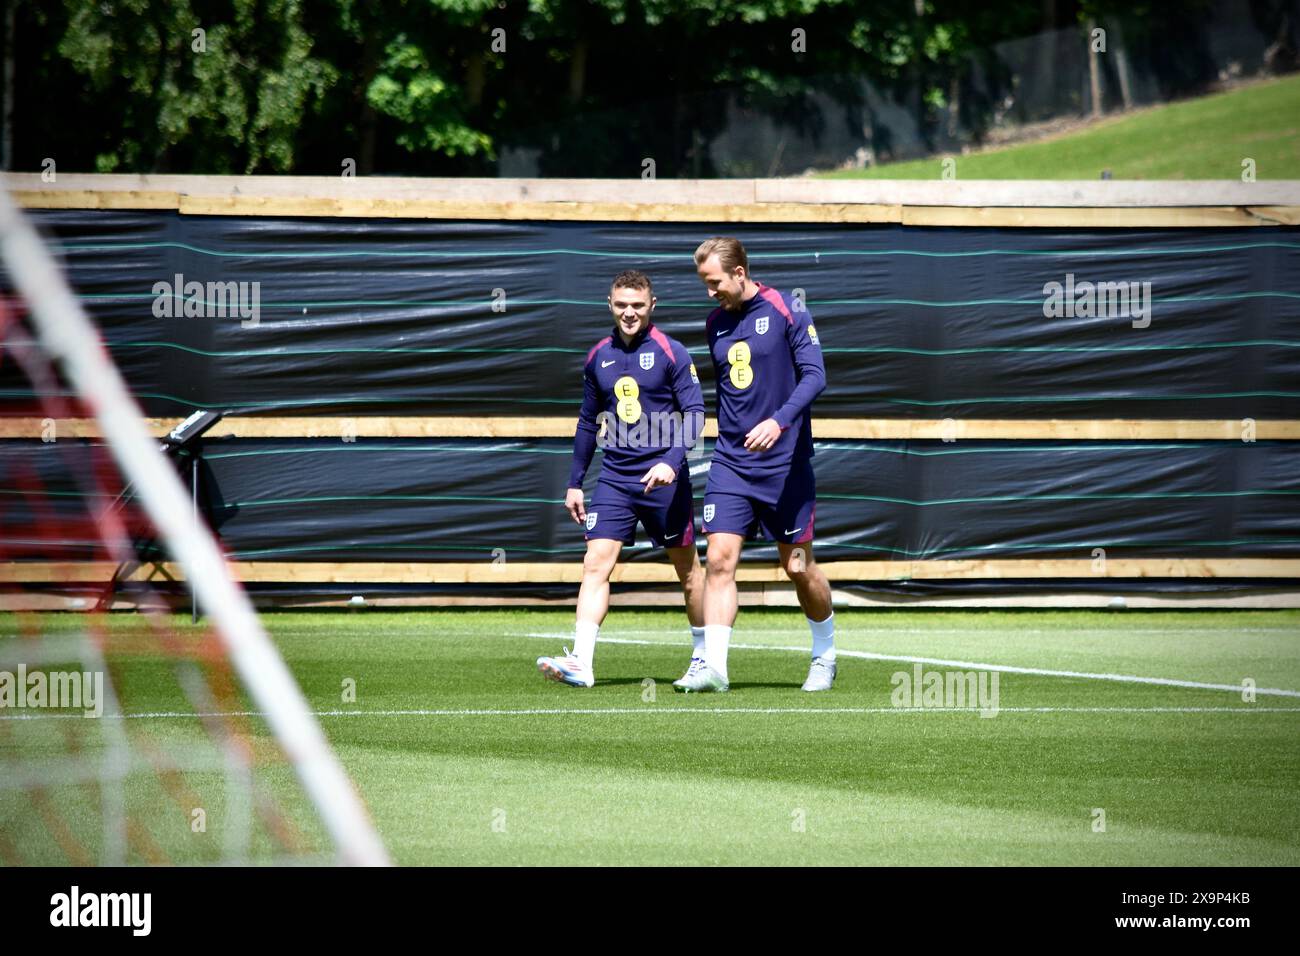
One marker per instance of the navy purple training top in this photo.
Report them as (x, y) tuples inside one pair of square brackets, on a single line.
[(637, 387), (767, 364)]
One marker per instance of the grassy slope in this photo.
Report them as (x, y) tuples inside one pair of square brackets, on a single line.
[(1204, 138), (654, 786)]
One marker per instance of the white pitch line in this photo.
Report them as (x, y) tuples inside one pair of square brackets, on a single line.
[(976, 665), (974, 632), (651, 709)]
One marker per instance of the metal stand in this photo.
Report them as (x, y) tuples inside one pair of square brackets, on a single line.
[(183, 440)]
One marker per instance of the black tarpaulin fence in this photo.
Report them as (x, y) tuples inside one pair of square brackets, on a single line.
[(459, 319)]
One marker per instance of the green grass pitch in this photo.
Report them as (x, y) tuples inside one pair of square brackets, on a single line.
[(465, 755)]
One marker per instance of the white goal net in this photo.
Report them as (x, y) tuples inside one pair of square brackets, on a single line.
[(132, 737)]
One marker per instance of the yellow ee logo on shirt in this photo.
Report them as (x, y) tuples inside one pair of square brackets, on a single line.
[(742, 374), (627, 391)]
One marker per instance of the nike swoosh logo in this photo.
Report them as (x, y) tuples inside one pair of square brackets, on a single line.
[(610, 362), (669, 537), (796, 529)]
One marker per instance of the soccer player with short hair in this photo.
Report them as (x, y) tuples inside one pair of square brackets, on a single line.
[(642, 389), (768, 368)]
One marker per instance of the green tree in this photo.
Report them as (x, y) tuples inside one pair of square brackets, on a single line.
[(228, 93)]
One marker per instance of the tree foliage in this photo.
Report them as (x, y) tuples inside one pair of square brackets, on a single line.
[(448, 86)]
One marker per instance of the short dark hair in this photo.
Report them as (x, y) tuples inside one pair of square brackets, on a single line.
[(632, 279)]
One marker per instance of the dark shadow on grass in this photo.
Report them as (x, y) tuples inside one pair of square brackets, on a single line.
[(617, 681), (668, 680), (602, 681)]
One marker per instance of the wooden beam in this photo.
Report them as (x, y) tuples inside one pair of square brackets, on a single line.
[(1065, 204), (524, 572), (244, 205), (560, 426), (795, 190), (408, 188), (97, 199), (1097, 217), (1115, 429), (1138, 194), (749, 595)]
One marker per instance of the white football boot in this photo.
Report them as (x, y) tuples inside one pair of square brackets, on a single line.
[(821, 675), (567, 670), (700, 678), (691, 671)]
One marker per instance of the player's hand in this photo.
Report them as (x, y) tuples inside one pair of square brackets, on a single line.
[(763, 436), (661, 474), (576, 504)]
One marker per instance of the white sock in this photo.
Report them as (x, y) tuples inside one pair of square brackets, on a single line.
[(697, 641), (584, 641), (823, 634), (716, 639)]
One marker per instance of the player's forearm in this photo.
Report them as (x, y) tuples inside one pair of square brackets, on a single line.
[(811, 384), (684, 440), (584, 449)]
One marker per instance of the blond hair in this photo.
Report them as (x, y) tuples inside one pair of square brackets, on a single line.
[(729, 251)]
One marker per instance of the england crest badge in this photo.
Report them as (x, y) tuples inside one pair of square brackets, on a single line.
[(591, 520), (760, 324), (647, 360), (708, 512)]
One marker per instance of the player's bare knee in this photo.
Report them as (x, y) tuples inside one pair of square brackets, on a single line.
[(693, 587), (686, 562), (599, 562), (722, 566), (690, 575), (799, 565)]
